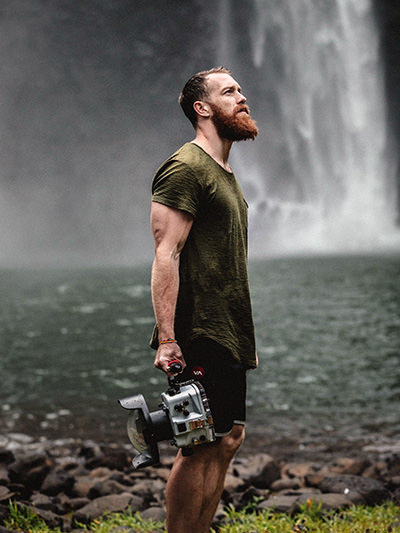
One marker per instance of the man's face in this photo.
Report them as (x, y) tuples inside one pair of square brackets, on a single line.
[(230, 114)]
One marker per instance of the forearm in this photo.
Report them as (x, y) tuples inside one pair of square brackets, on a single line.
[(165, 287), (171, 228)]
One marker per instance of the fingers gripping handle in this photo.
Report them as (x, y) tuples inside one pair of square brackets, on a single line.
[(175, 367)]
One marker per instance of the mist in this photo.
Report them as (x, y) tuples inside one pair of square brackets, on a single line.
[(88, 108)]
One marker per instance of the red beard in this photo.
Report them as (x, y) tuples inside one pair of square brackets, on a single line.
[(236, 127)]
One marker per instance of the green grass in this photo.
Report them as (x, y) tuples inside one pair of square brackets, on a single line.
[(379, 519)]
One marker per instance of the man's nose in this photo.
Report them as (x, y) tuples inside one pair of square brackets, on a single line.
[(241, 98)]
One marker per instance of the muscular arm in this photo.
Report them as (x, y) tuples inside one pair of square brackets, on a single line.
[(170, 228)]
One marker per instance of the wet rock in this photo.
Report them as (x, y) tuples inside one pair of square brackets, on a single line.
[(30, 470), (41, 501), (299, 470), (6, 456), (240, 500), (328, 502), (109, 457), (107, 486), (58, 481), (346, 465), (100, 479), (106, 504), (158, 514), (278, 503), (53, 520), (82, 486), (232, 483), (261, 470), (373, 491), (5, 494), (285, 484)]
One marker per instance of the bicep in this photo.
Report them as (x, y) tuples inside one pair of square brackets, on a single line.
[(170, 227)]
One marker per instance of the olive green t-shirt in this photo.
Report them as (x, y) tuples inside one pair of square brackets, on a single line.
[(213, 299)]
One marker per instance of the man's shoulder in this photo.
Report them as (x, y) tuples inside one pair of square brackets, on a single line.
[(189, 154), (189, 161)]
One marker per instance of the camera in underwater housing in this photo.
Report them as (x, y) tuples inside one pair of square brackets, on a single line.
[(184, 418)]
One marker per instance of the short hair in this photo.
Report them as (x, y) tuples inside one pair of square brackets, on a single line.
[(196, 88)]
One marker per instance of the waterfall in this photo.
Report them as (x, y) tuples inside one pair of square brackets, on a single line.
[(89, 110), (320, 176)]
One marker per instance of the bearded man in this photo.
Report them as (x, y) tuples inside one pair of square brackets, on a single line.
[(200, 286)]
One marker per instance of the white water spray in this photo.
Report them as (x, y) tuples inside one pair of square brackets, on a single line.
[(327, 178)]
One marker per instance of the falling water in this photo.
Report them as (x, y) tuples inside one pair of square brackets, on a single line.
[(88, 112), (325, 182)]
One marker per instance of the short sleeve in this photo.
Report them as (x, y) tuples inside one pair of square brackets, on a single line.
[(176, 185)]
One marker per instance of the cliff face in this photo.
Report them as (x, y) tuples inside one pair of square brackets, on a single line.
[(388, 15)]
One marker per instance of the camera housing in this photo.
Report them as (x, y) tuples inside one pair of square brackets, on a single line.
[(184, 418)]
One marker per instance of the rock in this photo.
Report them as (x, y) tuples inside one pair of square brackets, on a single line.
[(158, 514), (232, 483), (299, 470), (373, 491), (109, 457), (51, 519), (285, 484), (82, 486), (345, 465), (5, 494), (73, 504), (395, 482), (6, 456), (61, 487), (4, 479), (261, 471), (278, 503), (148, 487), (41, 501), (30, 470), (107, 486), (328, 502), (242, 499), (393, 465), (107, 504), (57, 481)]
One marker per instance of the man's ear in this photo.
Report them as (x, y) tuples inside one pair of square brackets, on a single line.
[(202, 109)]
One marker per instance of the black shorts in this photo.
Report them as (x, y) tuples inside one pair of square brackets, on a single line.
[(224, 380)]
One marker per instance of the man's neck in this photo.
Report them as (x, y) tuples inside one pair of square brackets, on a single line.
[(215, 147)]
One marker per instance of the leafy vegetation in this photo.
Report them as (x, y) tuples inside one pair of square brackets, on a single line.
[(312, 519)]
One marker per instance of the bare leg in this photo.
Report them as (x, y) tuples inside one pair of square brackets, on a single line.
[(196, 483)]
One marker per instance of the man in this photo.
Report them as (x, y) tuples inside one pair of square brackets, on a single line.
[(200, 286)]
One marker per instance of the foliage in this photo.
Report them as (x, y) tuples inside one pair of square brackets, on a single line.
[(311, 519), (134, 521), (23, 520)]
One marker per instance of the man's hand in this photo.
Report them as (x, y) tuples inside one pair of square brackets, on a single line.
[(167, 353)]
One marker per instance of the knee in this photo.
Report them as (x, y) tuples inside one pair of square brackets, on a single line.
[(231, 443)]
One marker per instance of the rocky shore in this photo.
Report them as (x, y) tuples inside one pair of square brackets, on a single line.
[(72, 481)]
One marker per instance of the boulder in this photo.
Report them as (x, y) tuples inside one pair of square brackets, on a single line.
[(346, 465), (158, 514), (372, 491), (328, 502), (261, 470), (112, 503), (278, 503), (57, 481), (30, 470)]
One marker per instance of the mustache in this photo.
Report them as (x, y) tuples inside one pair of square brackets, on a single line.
[(242, 107)]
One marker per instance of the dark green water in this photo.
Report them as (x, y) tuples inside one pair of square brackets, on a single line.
[(328, 332)]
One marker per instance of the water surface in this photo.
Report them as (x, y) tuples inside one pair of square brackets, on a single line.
[(73, 341)]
